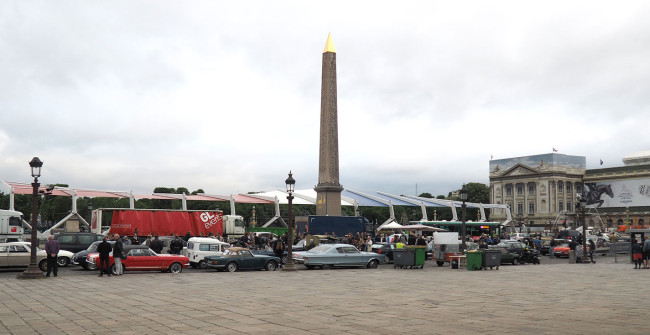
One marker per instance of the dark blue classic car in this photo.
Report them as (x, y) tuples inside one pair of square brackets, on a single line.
[(237, 258)]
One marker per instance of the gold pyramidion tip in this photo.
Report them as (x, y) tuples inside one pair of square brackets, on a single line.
[(329, 45)]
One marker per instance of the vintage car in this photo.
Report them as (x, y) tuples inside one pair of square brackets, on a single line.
[(238, 258), (508, 257), (141, 258), (385, 249), (17, 254), (326, 256), (561, 250), (80, 257), (200, 247), (76, 242)]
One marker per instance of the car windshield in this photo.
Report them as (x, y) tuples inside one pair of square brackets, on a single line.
[(320, 248), (93, 247)]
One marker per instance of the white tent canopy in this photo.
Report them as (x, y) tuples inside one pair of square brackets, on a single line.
[(391, 225)]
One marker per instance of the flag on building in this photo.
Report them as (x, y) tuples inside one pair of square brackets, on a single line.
[(554, 150), (601, 162), (491, 157)]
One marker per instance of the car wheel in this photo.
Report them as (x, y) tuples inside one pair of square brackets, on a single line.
[(270, 266), (386, 260), (43, 265), (515, 261), (176, 268), (113, 269), (63, 261), (284, 259), (326, 267), (373, 264), (440, 263), (232, 267), (202, 264)]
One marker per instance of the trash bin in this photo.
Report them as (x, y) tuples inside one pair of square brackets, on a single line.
[(404, 258), (474, 260), (419, 256), (491, 258)]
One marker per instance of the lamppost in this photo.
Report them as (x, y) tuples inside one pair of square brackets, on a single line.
[(583, 206), (90, 209), (32, 270), (463, 197), (290, 266)]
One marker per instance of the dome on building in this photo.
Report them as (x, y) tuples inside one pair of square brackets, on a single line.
[(638, 158)]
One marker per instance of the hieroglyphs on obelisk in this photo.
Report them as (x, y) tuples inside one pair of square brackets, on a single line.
[(328, 190)]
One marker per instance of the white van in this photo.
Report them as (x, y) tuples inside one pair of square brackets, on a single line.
[(199, 247)]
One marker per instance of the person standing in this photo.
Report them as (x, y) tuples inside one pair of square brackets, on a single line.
[(592, 248), (176, 246), (156, 245), (551, 247), (104, 249), (118, 251), (646, 252), (278, 249), (52, 250), (637, 254), (147, 242)]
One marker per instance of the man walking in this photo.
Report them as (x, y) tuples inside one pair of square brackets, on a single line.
[(118, 250), (52, 250), (104, 249)]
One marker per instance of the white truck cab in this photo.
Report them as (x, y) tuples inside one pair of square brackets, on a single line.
[(11, 225), (199, 247)]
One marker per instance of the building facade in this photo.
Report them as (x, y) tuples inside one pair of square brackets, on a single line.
[(541, 190), (620, 195)]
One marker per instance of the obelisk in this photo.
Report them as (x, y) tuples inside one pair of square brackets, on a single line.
[(328, 190)]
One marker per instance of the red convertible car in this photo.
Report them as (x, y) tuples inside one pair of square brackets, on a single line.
[(141, 258)]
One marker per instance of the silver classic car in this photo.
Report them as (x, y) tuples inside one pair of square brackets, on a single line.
[(326, 256)]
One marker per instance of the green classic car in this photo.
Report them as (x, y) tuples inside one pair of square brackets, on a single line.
[(237, 258)]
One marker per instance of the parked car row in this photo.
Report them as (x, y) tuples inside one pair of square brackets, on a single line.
[(18, 254)]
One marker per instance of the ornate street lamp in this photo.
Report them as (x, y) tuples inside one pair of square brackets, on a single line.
[(583, 206), (463, 197), (291, 183), (32, 270)]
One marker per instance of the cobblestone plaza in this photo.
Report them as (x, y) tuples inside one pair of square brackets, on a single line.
[(552, 298)]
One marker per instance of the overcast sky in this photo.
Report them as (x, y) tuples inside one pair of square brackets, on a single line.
[(225, 96)]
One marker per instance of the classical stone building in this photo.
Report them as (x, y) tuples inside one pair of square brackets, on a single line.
[(622, 193), (540, 189)]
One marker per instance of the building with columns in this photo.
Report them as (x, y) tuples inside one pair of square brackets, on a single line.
[(539, 188), (543, 190), (621, 194)]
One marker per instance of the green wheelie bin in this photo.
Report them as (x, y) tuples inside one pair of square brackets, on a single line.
[(474, 260), (420, 256)]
